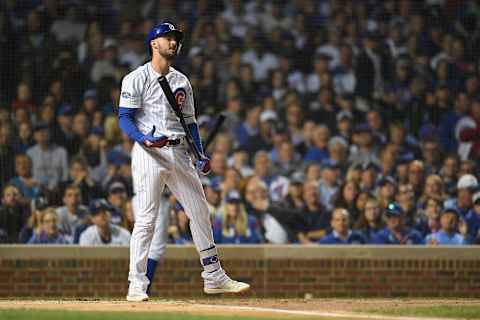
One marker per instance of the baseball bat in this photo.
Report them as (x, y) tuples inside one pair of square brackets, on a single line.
[(213, 133), (173, 103)]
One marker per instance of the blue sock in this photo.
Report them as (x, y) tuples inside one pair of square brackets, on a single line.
[(151, 266)]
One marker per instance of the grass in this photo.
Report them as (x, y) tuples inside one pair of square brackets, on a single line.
[(440, 311), (22, 314)]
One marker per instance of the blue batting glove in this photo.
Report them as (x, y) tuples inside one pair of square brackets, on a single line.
[(203, 165), (151, 141)]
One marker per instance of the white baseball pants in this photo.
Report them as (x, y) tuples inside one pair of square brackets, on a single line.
[(152, 169)]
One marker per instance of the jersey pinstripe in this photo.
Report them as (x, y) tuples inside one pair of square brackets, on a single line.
[(141, 90)]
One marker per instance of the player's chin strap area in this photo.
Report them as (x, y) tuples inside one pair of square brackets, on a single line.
[(209, 259)]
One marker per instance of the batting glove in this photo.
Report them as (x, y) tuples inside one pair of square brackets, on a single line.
[(203, 165), (154, 142)]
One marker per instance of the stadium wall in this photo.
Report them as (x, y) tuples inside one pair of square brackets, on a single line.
[(273, 271)]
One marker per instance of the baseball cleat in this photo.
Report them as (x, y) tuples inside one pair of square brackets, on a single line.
[(229, 286), (136, 295)]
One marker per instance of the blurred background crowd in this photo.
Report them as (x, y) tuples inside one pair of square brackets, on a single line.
[(347, 121)]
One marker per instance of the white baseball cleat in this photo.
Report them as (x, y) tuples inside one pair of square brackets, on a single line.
[(229, 286), (136, 295)]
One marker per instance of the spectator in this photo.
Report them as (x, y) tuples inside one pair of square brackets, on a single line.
[(473, 220), (346, 198), (448, 173), (315, 220), (370, 221), (49, 233), (328, 185), (448, 234), (213, 194), (232, 181), (406, 199), (341, 233), (319, 151), (116, 197), (433, 188), (338, 152), (179, 229), (416, 172), (249, 127), (234, 225), (431, 155), (65, 135), (50, 165), (469, 134), (12, 214), (363, 150), (368, 69), (294, 198), (107, 65), (79, 177), (73, 214), (429, 221), (396, 232), (387, 187), (24, 181), (466, 186), (263, 139), (25, 140), (258, 205), (33, 226), (7, 156), (102, 232)]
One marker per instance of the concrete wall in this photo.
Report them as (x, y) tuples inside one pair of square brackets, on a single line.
[(274, 271)]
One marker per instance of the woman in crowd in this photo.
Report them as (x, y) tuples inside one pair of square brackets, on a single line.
[(370, 220), (346, 198), (49, 233), (235, 225)]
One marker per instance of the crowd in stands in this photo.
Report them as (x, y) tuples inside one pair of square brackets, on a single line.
[(347, 121)]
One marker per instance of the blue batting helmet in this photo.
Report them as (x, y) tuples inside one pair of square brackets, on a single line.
[(162, 29)]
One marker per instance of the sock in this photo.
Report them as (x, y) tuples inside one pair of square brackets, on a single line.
[(151, 266)]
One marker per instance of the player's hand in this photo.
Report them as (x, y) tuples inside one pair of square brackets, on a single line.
[(154, 142), (203, 165)]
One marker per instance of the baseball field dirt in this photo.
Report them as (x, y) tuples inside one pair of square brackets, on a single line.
[(250, 308)]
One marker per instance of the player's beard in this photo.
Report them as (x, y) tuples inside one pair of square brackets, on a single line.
[(169, 54)]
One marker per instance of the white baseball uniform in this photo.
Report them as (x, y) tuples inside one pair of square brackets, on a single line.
[(153, 168)]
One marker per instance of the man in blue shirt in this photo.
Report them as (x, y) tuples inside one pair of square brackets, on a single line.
[(473, 220), (396, 232), (448, 234), (341, 234)]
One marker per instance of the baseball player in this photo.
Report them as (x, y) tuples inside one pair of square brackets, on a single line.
[(160, 157)]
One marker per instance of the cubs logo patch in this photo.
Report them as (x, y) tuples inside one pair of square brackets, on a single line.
[(180, 96)]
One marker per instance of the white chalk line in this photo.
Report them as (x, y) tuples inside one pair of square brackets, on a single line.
[(341, 315)]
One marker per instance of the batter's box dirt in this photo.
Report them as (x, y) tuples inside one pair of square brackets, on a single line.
[(252, 307)]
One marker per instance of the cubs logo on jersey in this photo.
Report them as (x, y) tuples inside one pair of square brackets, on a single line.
[(180, 96)]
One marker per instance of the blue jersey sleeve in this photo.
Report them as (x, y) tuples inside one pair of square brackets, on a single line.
[(193, 127), (126, 122)]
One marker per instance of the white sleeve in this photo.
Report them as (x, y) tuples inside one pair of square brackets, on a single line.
[(86, 238), (131, 94), (188, 109), (83, 239)]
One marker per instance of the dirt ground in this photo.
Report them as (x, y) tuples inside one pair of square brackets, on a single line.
[(353, 309)]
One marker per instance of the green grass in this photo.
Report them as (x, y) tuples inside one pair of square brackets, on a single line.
[(440, 311), (20, 314)]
